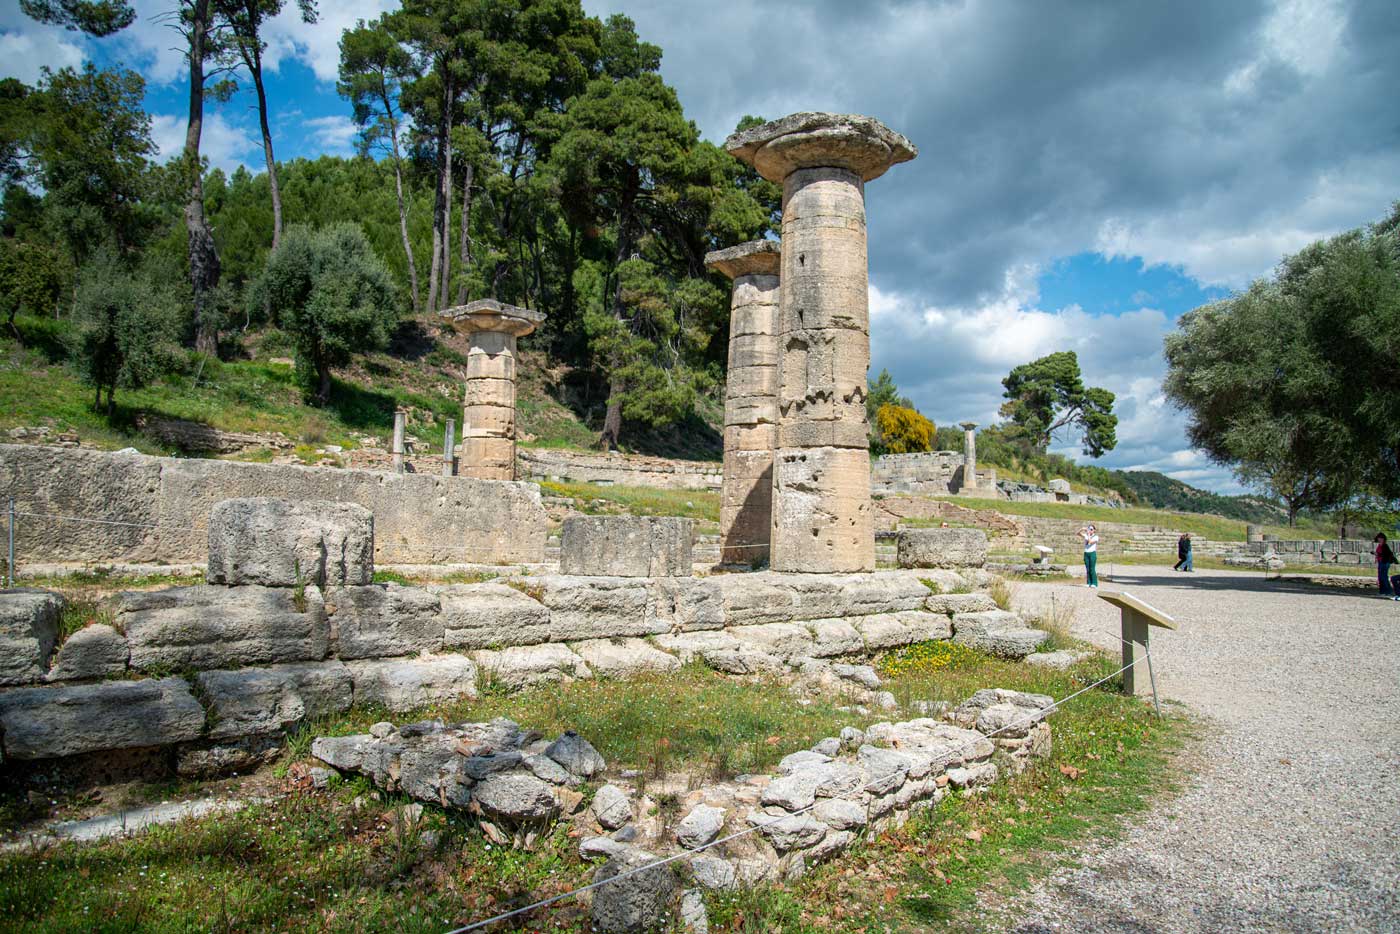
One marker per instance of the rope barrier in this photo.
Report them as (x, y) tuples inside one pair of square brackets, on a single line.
[(687, 854)]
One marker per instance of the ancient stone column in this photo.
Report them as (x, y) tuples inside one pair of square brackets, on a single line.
[(751, 400), (488, 410), (821, 484), (969, 483)]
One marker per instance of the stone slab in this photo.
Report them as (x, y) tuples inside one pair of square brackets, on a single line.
[(281, 543), (29, 622), (627, 546), (490, 616), (50, 722), (942, 548), (382, 620), (260, 701), (403, 684)]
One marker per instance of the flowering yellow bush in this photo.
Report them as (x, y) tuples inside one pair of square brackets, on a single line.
[(928, 657)]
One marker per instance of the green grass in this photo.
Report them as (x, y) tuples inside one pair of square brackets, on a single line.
[(638, 500), (1213, 528)]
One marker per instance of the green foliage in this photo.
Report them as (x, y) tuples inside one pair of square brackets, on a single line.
[(94, 17), (903, 430), (332, 296), (126, 326), (31, 278), (1047, 395), (1293, 382)]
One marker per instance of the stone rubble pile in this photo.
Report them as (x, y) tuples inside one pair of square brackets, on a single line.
[(294, 629), (815, 805)]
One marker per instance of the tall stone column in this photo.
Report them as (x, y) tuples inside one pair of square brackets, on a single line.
[(488, 409), (821, 483), (969, 484), (750, 401)]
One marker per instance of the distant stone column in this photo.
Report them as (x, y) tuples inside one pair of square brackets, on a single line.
[(969, 483), (821, 488), (751, 400), (488, 410)]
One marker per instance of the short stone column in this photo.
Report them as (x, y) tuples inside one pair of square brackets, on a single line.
[(821, 489), (750, 401), (488, 410), (969, 484)]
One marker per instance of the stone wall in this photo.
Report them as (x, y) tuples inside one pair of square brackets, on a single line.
[(622, 469), (930, 473), (419, 518)]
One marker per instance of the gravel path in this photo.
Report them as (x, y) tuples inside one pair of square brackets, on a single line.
[(1292, 820)]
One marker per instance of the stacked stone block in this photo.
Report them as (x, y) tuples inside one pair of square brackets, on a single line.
[(488, 408), (751, 400), (821, 507)]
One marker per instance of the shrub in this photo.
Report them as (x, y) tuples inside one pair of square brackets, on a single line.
[(903, 430)]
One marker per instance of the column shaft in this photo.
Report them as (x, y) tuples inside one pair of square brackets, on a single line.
[(750, 420), (488, 409)]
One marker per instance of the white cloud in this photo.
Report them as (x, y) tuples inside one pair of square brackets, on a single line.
[(950, 361), (318, 44), (226, 145), (26, 53), (334, 134)]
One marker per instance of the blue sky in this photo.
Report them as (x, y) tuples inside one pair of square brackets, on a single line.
[(1087, 172)]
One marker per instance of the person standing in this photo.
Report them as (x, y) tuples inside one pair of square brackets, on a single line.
[(1183, 553), (1090, 535), (1385, 557)]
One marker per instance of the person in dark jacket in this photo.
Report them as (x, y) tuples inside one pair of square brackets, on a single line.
[(1385, 558), (1183, 553)]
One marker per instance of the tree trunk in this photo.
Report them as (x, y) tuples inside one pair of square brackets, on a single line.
[(403, 206), (204, 256), (446, 270), (440, 207), (612, 419), (464, 242), (323, 379), (253, 58)]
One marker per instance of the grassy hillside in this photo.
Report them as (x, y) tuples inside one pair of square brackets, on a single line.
[(1214, 528), (256, 393), (1156, 489)]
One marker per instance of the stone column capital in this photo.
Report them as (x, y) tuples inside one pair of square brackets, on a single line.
[(858, 144), (968, 426), (755, 258), (487, 314)]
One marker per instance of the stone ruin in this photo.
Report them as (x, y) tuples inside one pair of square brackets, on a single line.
[(815, 806), (292, 627)]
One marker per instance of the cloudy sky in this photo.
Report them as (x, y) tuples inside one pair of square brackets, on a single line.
[(1087, 171)]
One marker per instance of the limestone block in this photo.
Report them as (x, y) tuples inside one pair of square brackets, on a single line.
[(745, 660), (861, 145), (208, 626), (811, 433), (576, 755), (942, 548), (612, 807), (493, 420), (888, 631), (382, 620), (623, 658), (49, 722), (753, 379), (748, 465), (490, 616), (750, 437), (599, 607), (695, 603), (95, 651), (834, 637), (950, 603), (997, 633), (754, 307), (488, 458), (639, 901), (750, 599), (516, 797), (690, 646), (700, 826), (260, 701), (500, 392), (926, 627), (402, 684), (29, 621), (754, 351), (491, 355), (820, 596), (528, 665), (1058, 485), (280, 543), (821, 511), (783, 640), (627, 546)]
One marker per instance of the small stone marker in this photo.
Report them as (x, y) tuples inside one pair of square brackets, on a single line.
[(1043, 553), (1137, 616)]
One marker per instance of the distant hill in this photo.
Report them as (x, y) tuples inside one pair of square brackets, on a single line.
[(1163, 492)]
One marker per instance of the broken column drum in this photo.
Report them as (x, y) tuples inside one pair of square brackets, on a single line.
[(488, 410), (821, 487), (969, 456), (751, 400)]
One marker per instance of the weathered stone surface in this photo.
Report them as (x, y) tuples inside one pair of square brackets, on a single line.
[(860, 144), (744, 662), (1008, 720), (623, 658), (951, 603), (713, 872), (95, 651), (280, 543), (419, 518), (576, 754), (516, 797), (997, 633), (690, 646), (381, 620), (48, 722), (346, 753), (833, 637), (612, 807), (546, 768), (821, 509), (490, 616), (206, 759), (1060, 660), (700, 826), (830, 746), (942, 548), (887, 768), (802, 759), (639, 902), (209, 626), (409, 683), (259, 701), (627, 546), (782, 640), (841, 813), (790, 832), (864, 675), (527, 665), (600, 848), (28, 632), (693, 916), (599, 607)]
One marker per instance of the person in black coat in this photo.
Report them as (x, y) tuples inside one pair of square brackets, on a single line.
[(1183, 553), (1385, 558)]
